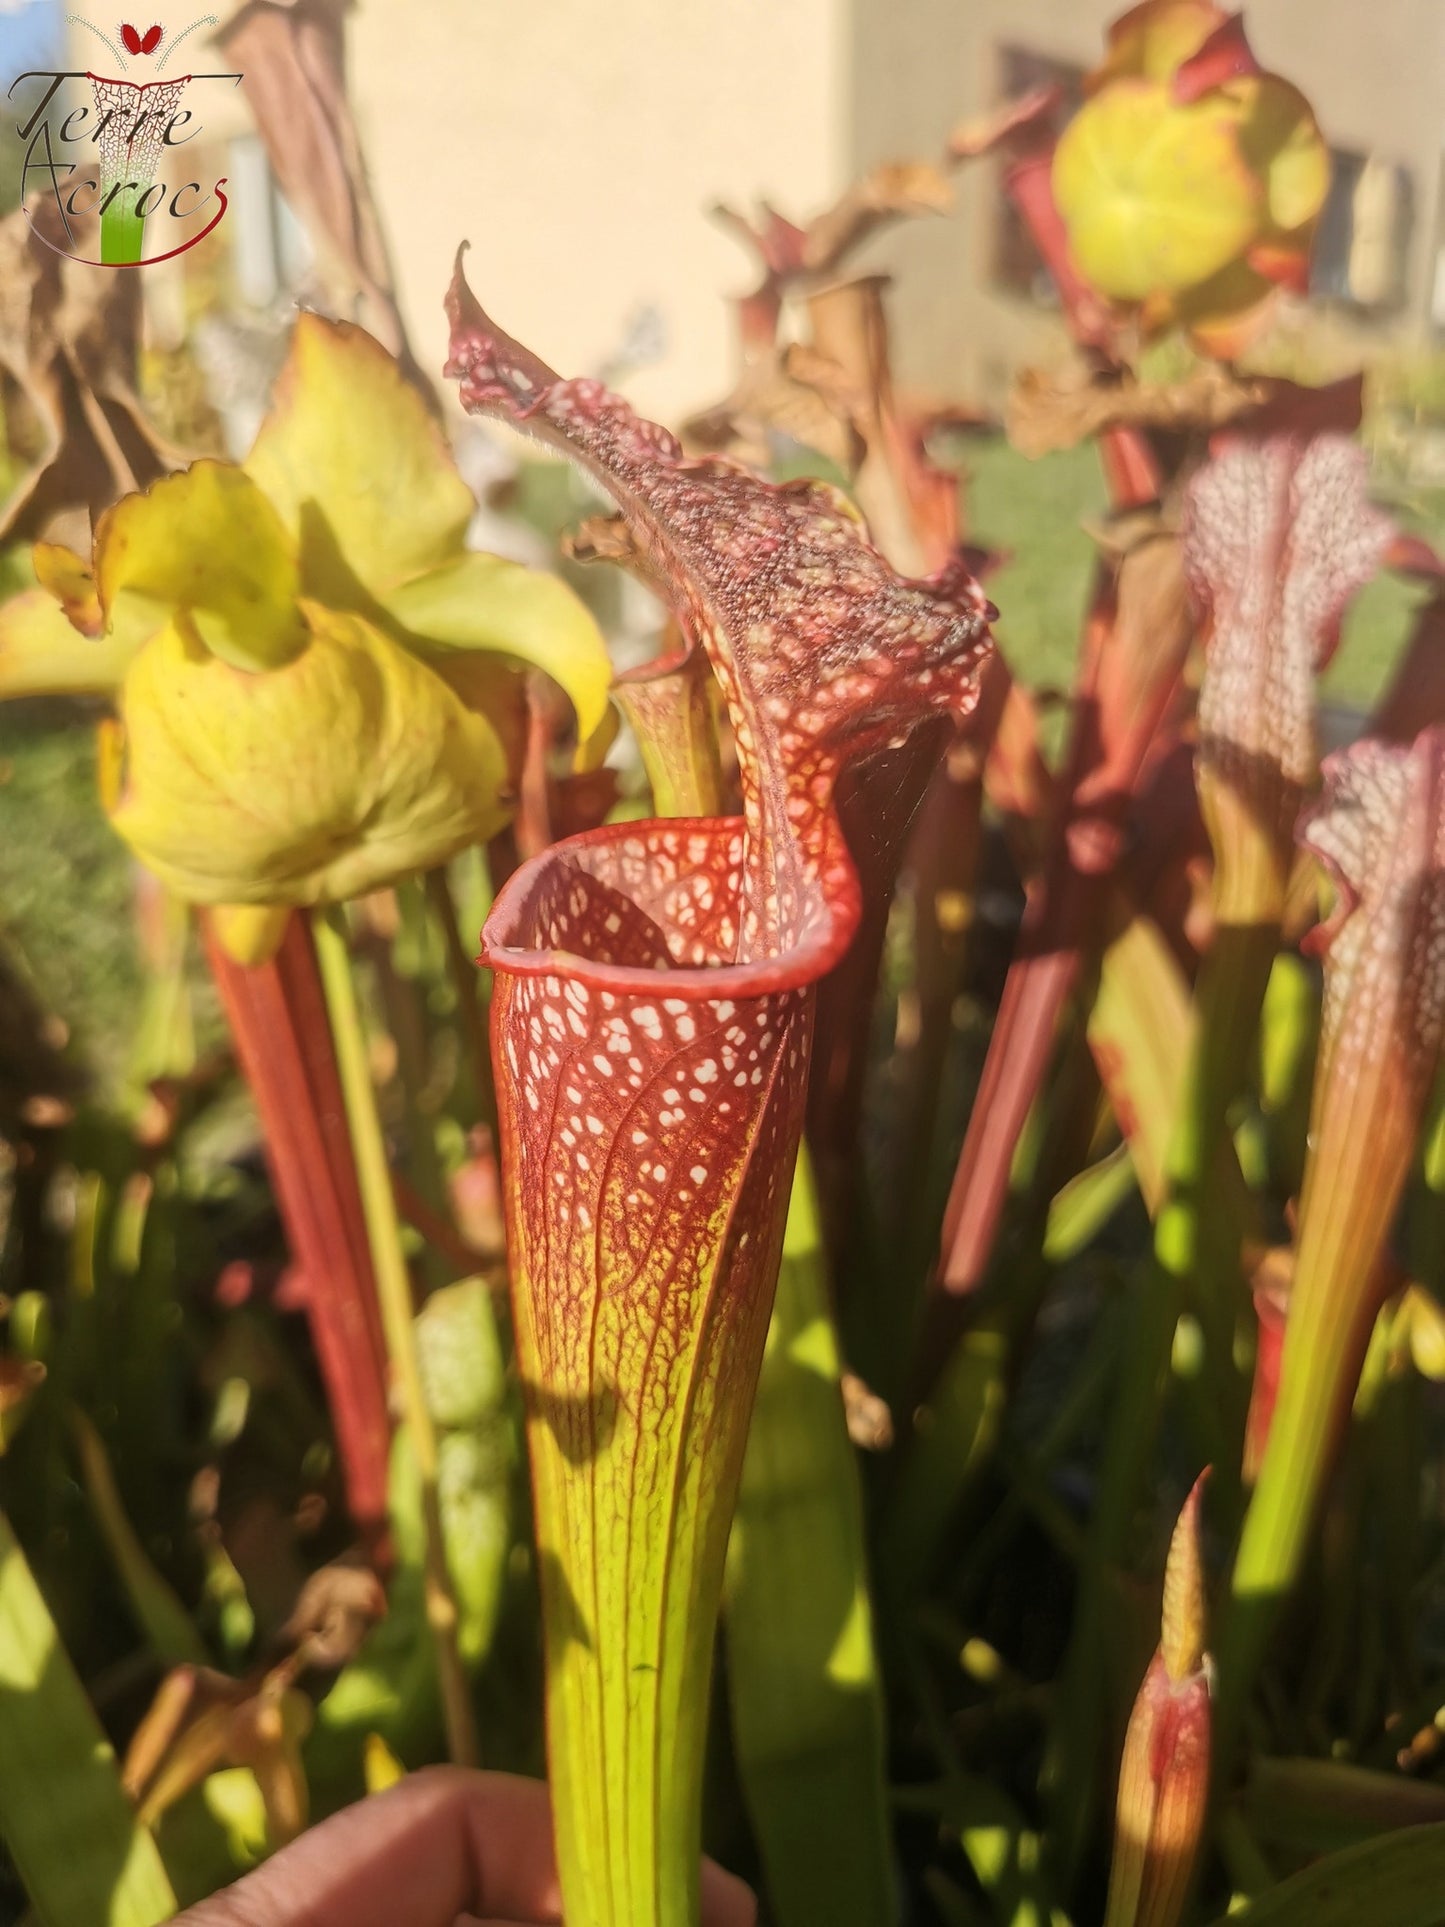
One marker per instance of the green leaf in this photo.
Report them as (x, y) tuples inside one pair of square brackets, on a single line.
[(1007, 1858), (1080, 1211), (1395, 1881), (485, 602), (83, 1856), (806, 1702), (213, 1833), (41, 654), (964, 1417), (1141, 1031), (668, 705), (208, 544), (1288, 1040), (158, 1612), (1311, 1806), (474, 1478), (459, 1352), (390, 1687)]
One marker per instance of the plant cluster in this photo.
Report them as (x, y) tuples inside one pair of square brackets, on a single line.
[(962, 1213)]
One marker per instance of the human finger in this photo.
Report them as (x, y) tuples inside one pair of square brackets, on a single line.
[(441, 1843)]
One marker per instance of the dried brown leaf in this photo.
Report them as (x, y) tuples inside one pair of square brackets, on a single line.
[(911, 505), (1047, 412), (68, 341), (778, 243), (771, 399), (869, 1420), (1029, 116), (605, 538), (893, 192), (336, 1608), (786, 251), (292, 54)]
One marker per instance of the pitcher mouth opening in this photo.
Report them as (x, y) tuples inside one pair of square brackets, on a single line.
[(631, 905)]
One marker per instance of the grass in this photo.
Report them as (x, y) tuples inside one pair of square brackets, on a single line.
[(1033, 510), (66, 883)]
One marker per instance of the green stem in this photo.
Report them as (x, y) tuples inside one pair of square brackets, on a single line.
[(1195, 1253), (402, 1013), (393, 1285), (1427, 1207), (806, 1698), (1363, 1135), (1071, 1768), (1277, 1525), (1197, 1235), (466, 979), (1195, 1239)]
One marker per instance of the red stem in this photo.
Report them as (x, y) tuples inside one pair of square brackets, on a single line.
[(877, 806), (278, 1020), (1129, 672), (944, 859), (1114, 724), (1037, 988)]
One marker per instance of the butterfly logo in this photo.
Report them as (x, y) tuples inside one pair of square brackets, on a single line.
[(136, 42)]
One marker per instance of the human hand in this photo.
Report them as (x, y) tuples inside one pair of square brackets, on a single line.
[(445, 1848)]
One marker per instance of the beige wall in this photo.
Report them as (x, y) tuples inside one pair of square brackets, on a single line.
[(579, 143), (579, 146), (921, 65)]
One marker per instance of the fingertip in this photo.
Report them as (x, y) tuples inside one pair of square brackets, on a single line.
[(727, 1901)]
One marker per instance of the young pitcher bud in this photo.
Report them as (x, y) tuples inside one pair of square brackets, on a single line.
[(1164, 1774)]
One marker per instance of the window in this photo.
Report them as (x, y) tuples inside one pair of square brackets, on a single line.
[(1362, 243), (1016, 266), (269, 250)]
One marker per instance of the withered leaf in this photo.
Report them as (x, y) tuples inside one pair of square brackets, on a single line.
[(68, 341), (292, 55), (1046, 412)]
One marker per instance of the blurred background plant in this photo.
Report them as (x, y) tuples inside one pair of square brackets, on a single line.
[(1111, 1176)]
